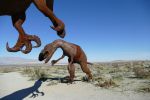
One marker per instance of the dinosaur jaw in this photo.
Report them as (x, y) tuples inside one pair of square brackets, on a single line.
[(46, 56), (42, 56)]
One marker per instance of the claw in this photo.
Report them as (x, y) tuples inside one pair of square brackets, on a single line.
[(37, 40), (60, 32), (24, 40), (27, 49), (58, 28), (53, 28), (14, 49), (53, 62)]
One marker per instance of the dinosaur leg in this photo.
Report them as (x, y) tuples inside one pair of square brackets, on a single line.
[(50, 4), (71, 70), (47, 10), (24, 39), (86, 70)]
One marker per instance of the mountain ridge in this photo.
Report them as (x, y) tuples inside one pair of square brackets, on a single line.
[(16, 60)]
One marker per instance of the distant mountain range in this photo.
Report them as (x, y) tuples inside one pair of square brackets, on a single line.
[(16, 60), (20, 61)]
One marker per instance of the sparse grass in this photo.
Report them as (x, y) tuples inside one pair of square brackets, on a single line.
[(7, 69), (122, 76), (105, 80), (144, 89), (35, 72), (117, 77), (107, 83)]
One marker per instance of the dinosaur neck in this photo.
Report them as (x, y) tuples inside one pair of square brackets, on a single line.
[(58, 44)]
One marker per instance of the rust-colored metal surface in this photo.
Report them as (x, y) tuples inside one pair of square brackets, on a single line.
[(16, 9), (74, 53)]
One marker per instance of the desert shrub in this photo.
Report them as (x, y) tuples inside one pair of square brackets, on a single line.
[(145, 89), (27, 70), (115, 70), (35, 72), (106, 83), (117, 77), (115, 65), (141, 72), (39, 73), (98, 78), (7, 70)]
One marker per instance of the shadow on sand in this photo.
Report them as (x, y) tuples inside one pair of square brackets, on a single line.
[(21, 94), (61, 79)]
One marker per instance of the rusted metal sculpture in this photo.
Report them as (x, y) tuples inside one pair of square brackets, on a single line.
[(74, 53), (16, 9)]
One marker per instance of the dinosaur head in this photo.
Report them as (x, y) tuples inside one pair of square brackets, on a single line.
[(47, 52)]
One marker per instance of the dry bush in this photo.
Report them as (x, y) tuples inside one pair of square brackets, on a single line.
[(106, 83), (27, 70), (141, 72), (35, 72), (117, 77), (144, 88), (7, 69), (98, 78), (115, 65)]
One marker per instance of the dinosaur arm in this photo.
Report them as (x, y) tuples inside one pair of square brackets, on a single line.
[(47, 10), (55, 61)]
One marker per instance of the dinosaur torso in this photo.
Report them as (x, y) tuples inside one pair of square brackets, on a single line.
[(11, 7)]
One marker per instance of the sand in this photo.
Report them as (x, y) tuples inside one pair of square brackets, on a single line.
[(14, 86)]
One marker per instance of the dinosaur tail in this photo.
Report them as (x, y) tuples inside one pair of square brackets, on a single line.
[(89, 63)]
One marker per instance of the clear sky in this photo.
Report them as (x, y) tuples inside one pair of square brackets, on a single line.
[(106, 29)]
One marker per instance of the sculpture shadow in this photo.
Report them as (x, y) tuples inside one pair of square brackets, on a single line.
[(61, 79), (21, 94)]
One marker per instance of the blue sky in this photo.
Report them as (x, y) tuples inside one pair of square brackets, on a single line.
[(106, 29)]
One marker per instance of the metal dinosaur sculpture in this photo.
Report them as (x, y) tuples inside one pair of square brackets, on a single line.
[(74, 53), (16, 9)]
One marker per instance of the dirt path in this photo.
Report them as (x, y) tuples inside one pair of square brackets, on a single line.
[(14, 86)]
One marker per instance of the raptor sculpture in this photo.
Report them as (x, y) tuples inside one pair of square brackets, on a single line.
[(16, 9), (75, 55)]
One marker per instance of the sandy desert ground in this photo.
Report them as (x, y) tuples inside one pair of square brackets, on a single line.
[(112, 81)]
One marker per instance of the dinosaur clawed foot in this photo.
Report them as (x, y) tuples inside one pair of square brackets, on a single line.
[(53, 62), (24, 41), (60, 28), (69, 79)]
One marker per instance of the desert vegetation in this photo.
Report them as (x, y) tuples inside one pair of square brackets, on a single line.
[(123, 76)]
